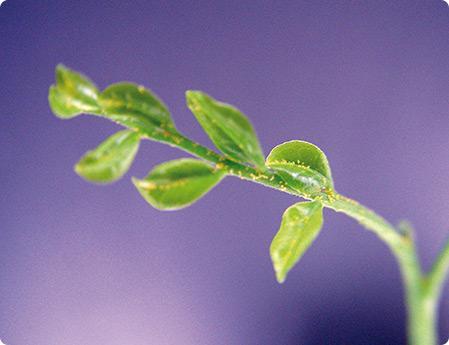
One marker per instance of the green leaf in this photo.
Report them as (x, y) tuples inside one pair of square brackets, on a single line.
[(111, 159), (227, 127), (72, 94), (177, 184), (302, 165), (137, 108), (300, 225)]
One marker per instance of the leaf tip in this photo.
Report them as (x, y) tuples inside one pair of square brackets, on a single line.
[(60, 68), (135, 181), (280, 280), (193, 97), (192, 93), (77, 168), (280, 276), (279, 269)]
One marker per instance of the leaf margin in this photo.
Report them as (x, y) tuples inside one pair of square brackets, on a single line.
[(282, 266)]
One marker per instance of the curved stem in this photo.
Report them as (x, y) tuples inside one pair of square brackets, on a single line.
[(421, 292), (372, 221), (420, 302)]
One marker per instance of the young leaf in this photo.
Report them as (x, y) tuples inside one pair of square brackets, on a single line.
[(302, 165), (111, 159), (135, 107), (72, 94), (177, 184), (300, 225), (227, 127)]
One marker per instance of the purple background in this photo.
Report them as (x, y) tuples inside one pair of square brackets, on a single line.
[(367, 81)]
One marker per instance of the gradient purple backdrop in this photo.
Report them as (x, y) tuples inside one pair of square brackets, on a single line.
[(367, 81)]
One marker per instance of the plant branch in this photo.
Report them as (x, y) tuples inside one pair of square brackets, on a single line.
[(295, 167), (438, 273), (402, 246), (421, 306)]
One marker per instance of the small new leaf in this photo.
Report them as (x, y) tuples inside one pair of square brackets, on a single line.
[(72, 94), (227, 127), (135, 107), (300, 225), (111, 159), (177, 184), (127, 104), (302, 165)]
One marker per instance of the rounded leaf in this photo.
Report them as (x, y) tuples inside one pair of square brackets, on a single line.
[(177, 184), (302, 165), (111, 159)]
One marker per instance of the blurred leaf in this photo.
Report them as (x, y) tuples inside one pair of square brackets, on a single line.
[(72, 94), (177, 184), (137, 108), (303, 166), (300, 225), (227, 127), (111, 159)]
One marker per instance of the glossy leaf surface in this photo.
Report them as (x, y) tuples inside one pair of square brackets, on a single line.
[(111, 159), (72, 94), (302, 165), (177, 184), (227, 127), (300, 225), (135, 107)]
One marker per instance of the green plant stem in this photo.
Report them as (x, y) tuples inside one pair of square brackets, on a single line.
[(422, 292), (439, 270), (422, 312)]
